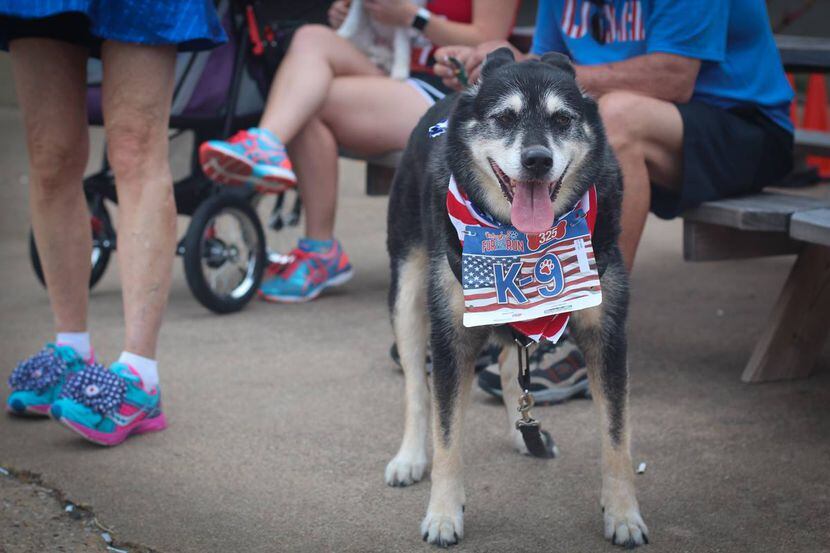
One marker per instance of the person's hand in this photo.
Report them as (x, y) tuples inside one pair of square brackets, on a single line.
[(472, 58), (446, 70), (476, 61), (398, 13), (338, 11)]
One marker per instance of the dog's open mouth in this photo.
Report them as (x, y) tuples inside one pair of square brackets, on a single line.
[(531, 201)]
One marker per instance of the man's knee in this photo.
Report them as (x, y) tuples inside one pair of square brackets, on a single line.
[(137, 146), (620, 113), (57, 162)]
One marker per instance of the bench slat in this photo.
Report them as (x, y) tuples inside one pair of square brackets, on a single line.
[(705, 242), (764, 212), (812, 143), (389, 160), (812, 226), (804, 52)]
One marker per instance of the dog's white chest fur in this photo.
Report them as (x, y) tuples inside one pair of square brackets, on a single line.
[(388, 47)]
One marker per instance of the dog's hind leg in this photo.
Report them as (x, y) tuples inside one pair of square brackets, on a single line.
[(454, 349), (409, 321), (600, 332)]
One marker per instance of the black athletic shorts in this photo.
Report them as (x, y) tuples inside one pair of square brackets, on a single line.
[(726, 152), (71, 27)]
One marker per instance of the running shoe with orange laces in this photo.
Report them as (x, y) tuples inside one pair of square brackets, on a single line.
[(255, 157)]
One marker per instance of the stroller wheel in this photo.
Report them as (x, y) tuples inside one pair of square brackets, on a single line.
[(103, 242), (224, 252)]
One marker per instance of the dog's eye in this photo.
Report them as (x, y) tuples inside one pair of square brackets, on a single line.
[(506, 118), (562, 120)]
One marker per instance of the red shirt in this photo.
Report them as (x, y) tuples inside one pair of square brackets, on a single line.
[(454, 10), (460, 11)]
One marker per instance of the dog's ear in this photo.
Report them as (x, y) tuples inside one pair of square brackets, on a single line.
[(560, 61), (496, 59)]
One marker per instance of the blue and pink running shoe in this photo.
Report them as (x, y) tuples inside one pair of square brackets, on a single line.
[(38, 381), (312, 269), (106, 406), (255, 157)]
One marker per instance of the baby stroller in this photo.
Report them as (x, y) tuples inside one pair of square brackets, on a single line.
[(224, 248)]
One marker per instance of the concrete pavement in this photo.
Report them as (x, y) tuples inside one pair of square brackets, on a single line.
[(283, 417)]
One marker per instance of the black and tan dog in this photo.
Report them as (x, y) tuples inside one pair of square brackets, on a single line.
[(525, 145)]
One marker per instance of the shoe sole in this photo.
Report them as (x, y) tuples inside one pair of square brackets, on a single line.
[(34, 411), (342, 278), (155, 424), (549, 396), (231, 169)]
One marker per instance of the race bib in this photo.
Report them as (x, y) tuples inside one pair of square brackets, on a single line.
[(509, 276)]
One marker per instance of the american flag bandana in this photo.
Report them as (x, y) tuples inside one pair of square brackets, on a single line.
[(533, 282)]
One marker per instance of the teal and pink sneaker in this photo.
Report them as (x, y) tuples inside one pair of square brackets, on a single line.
[(255, 157), (314, 266), (39, 380), (106, 406)]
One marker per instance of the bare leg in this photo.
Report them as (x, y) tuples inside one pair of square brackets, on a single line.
[(316, 56), (50, 78), (137, 91), (314, 154), (368, 115), (647, 137), (371, 115)]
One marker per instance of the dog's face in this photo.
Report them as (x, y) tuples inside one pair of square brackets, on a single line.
[(529, 134)]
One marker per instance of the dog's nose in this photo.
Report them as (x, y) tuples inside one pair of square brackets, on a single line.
[(537, 160)]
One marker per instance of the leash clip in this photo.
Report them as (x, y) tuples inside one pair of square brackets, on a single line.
[(526, 401), (538, 443)]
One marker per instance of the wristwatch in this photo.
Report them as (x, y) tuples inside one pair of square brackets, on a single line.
[(421, 19)]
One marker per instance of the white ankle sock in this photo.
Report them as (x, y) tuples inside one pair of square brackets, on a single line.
[(79, 341), (147, 369)]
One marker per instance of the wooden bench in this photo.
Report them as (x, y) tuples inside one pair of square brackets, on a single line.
[(380, 170), (775, 223)]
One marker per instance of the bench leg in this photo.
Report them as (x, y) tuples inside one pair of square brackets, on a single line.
[(800, 320), (706, 242), (378, 179)]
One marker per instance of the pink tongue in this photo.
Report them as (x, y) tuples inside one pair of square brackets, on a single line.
[(532, 210)]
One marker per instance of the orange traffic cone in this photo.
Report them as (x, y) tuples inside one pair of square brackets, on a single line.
[(794, 103), (815, 119)]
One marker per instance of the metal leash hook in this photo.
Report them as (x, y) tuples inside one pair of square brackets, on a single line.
[(532, 433), (526, 400)]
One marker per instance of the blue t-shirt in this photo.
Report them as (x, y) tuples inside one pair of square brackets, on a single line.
[(732, 38)]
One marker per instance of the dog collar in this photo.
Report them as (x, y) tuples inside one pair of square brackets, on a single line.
[(533, 282)]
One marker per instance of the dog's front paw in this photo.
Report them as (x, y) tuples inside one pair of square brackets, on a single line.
[(443, 529), (624, 526), (404, 470)]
